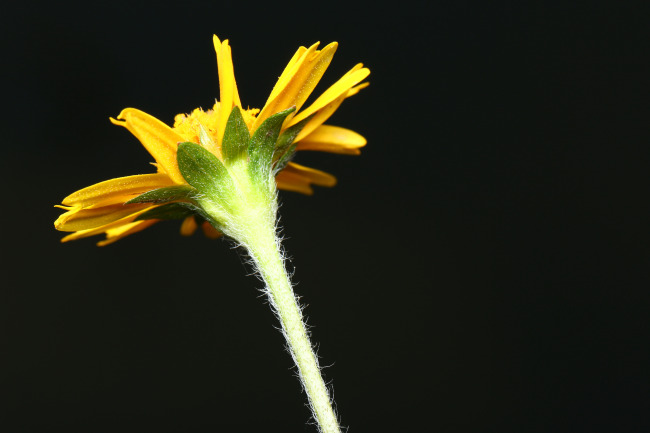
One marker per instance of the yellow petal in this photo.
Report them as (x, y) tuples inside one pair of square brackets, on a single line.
[(334, 139), (102, 229), (297, 81), (84, 219), (159, 139), (317, 177), (297, 56), (67, 208), (341, 87), (117, 190), (356, 89), (292, 182), (188, 227), (301, 56), (229, 96), (326, 112), (320, 117), (298, 178), (209, 231), (115, 235)]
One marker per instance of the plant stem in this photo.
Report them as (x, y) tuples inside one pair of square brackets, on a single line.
[(264, 248)]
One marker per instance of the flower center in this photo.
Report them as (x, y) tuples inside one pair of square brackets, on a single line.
[(189, 126)]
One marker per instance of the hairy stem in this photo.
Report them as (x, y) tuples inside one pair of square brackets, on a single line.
[(264, 248)]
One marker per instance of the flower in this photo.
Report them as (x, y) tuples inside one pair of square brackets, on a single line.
[(103, 207)]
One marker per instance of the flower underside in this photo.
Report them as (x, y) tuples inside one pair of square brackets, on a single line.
[(111, 207)]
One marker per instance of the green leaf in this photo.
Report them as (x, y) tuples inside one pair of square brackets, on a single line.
[(286, 148), (204, 171), (171, 211), (164, 195), (263, 144), (235, 137)]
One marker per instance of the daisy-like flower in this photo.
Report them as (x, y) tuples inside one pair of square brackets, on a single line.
[(221, 169), (104, 208)]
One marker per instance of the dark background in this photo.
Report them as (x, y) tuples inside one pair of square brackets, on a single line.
[(482, 267)]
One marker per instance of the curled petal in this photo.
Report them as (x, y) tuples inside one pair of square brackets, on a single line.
[(324, 113), (338, 89), (114, 235), (320, 117), (317, 177), (102, 229), (297, 56), (298, 80), (356, 89), (159, 139), (292, 182), (117, 190), (229, 96), (334, 139), (298, 178), (84, 219)]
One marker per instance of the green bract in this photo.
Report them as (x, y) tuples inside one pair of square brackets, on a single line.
[(166, 195), (170, 211), (285, 147), (218, 191), (235, 137), (263, 144), (204, 171)]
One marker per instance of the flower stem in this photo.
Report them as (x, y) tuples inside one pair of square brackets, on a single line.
[(265, 249)]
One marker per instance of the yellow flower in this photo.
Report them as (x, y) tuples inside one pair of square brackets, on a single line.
[(101, 208)]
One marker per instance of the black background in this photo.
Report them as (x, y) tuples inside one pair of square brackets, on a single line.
[(481, 267)]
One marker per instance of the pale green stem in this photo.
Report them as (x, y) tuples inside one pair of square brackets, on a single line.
[(265, 250)]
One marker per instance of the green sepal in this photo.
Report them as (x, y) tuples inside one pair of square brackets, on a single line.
[(178, 211), (284, 159), (286, 148), (165, 195), (204, 171), (263, 144), (171, 211), (235, 137)]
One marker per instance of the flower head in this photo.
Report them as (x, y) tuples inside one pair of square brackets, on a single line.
[(109, 207)]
